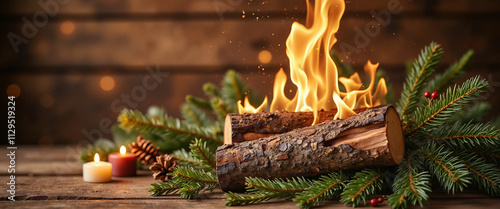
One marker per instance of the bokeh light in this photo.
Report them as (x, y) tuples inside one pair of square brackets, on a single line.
[(13, 90), (107, 83), (265, 57), (67, 27)]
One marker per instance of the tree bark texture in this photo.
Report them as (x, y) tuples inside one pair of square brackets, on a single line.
[(371, 138), (253, 126)]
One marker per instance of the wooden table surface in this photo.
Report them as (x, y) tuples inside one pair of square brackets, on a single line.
[(52, 178)]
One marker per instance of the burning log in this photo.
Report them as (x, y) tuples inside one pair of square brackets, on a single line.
[(371, 138), (253, 126)]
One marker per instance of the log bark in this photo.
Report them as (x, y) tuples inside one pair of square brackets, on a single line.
[(253, 126), (371, 138)]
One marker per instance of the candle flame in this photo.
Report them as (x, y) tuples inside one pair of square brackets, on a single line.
[(123, 150), (96, 157), (314, 72)]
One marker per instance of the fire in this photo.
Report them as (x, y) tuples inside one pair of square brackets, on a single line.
[(314, 72)]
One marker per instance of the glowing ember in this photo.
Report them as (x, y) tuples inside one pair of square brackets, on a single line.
[(315, 74)]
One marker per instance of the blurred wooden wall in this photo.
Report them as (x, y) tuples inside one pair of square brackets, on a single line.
[(83, 43)]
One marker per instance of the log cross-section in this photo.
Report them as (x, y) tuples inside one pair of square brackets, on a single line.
[(371, 138)]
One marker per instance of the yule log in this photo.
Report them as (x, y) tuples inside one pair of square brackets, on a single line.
[(252, 126), (371, 138)]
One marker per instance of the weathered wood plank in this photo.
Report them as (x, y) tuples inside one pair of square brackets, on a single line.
[(73, 187), (212, 43), (212, 6)]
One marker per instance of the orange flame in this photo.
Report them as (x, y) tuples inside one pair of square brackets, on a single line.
[(314, 72)]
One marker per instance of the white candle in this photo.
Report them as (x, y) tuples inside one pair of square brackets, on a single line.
[(97, 171)]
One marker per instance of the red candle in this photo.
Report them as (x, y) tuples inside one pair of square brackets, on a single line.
[(124, 164)]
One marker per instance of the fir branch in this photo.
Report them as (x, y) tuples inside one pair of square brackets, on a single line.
[(362, 186), (421, 69), (327, 187), (189, 175), (441, 110), (220, 109), (164, 188), (199, 102), (200, 151), (491, 154), (455, 71), (195, 116), (485, 176), (193, 181), (292, 186), (410, 185), (188, 159), (211, 90), (468, 136), (263, 190), (163, 125), (234, 199), (475, 114), (449, 171)]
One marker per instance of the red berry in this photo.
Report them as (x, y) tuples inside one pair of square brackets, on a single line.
[(434, 95), (380, 200), (374, 202), (427, 94)]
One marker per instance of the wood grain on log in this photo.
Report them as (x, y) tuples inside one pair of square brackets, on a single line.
[(371, 138), (253, 126)]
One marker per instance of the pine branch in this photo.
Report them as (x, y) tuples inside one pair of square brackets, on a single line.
[(190, 175), (492, 155), (211, 90), (468, 136), (193, 181), (410, 185), (263, 190), (421, 69), (198, 102), (164, 188), (475, 114), (188, 159), (449, 104), (485, 176), (220, 108), (195, 116), (455, 71), (163, 125), (449, 171), (234, 199), (200, 151), (362, 186), (327, 187), (286, 187)]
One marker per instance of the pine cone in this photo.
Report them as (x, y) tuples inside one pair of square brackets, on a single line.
[(164, 164), (144, 149)]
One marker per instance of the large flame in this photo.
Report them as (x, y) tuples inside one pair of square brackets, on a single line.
[(315, 74)]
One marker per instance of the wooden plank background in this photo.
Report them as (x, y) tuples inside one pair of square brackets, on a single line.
[(59, 69)]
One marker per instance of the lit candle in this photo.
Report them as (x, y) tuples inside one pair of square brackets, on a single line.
[(124, 164), (97, 171)]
